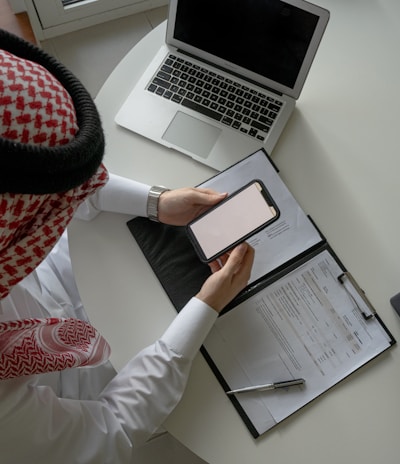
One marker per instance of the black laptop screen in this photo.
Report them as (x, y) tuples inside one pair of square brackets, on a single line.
[(267, 37)]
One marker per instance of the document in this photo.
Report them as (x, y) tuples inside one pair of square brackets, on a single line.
[(304, 325), (301, 316)]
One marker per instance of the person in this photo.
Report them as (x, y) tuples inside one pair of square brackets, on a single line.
[(60, 398)]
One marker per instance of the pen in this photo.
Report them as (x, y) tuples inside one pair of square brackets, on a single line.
[(268, 386)]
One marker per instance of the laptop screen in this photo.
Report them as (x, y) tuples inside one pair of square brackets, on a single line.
[(270, 39)]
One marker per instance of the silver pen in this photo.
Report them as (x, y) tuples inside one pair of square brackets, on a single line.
[(268, 386)]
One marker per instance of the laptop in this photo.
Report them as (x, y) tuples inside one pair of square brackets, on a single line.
[(227, 78)]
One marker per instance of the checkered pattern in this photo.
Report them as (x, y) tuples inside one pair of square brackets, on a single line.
[(34, 107), (30, 225)]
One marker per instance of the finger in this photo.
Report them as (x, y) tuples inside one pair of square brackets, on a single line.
[(207, 191), (209, 197), (248, 260), (223, 259), (215, 266), (235, 257)]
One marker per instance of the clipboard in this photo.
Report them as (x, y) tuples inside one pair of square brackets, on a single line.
[(302, 313)]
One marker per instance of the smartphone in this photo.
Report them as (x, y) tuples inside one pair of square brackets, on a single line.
[(238, 217)]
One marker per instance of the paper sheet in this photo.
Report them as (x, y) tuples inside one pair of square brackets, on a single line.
[(305, 325)]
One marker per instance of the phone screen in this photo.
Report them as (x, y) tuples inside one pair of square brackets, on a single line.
[(232, 221)]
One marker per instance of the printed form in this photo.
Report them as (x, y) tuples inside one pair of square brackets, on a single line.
[(304, 325)]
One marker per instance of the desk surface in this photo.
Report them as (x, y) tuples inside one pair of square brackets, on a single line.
[(339, 155)]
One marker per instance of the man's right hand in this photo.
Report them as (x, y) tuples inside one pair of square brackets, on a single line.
[(231, 274)]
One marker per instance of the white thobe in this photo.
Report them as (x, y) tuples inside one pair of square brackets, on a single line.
[(93, 415)]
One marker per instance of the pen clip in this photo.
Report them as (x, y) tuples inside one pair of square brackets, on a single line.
[(360, 293)]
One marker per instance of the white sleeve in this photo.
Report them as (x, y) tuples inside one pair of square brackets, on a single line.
[(148, 388), (37, 426), (119, 195)]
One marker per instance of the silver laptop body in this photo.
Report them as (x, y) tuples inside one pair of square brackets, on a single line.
[(227, 78)]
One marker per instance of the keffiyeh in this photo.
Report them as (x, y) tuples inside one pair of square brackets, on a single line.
[(51, 147)]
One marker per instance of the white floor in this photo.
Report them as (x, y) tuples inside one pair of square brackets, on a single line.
[(92, 53)]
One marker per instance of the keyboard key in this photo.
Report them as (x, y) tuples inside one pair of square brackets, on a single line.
[(176, 98), (236, 124), (274, 107), (259, 126), (167, 69), (161, 83), (226, 120), (266, 121), (206, 111)]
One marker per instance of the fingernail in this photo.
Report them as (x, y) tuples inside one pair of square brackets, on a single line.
[(243, 247)]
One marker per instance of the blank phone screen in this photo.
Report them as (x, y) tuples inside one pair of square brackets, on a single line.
[(233, 220)]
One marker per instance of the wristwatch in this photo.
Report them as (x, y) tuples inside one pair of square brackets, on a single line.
[(152, 201)]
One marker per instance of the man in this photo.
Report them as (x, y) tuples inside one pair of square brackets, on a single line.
[(52, 407)]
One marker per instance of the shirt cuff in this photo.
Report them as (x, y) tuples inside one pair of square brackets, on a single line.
[(122, 195), (189, 329)]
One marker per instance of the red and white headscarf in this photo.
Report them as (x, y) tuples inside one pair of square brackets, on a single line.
[(50, 161)]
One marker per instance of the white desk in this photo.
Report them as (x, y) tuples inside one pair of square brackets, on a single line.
[(340, 157)]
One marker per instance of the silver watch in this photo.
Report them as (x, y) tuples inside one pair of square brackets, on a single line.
[(152, 201)]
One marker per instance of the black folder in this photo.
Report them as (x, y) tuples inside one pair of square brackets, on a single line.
[(179, 270)]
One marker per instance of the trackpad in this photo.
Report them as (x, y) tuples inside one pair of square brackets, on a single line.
[(192, 134)]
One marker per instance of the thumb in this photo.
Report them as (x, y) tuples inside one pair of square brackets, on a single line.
[(210, 197), (235, 259)]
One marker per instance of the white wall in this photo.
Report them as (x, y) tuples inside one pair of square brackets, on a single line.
[(18, 6)]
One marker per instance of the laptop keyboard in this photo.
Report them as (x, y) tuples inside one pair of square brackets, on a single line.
[(213, 95)]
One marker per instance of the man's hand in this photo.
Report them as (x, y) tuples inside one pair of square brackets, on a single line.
[(179, 207), (231, 274)]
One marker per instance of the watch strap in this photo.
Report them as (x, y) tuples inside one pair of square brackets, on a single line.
[(152, 201)]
